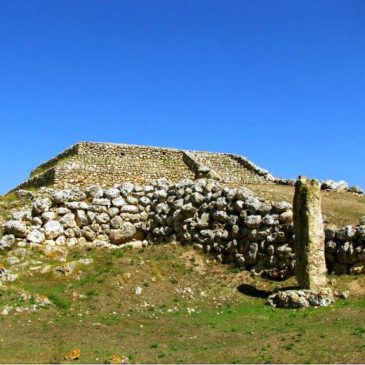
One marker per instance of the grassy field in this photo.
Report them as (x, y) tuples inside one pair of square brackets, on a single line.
[(191, 310)]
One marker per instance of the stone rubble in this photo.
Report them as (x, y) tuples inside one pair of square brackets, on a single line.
[(301, 298)]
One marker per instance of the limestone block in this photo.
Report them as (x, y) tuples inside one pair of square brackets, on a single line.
[(309, 235)]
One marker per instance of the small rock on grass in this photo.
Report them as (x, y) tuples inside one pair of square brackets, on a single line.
[(117, 360), (72, 355)]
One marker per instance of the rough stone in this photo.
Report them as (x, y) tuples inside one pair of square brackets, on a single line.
[(125, 233), (302, 298), (88, 233), (36, 236), (68, 195), (309, 235), (68, 220), (52, 229), (94, 191), (49, 216), (145, 201), (81, 218), (130, 209), (104, 202), (16, 228), (77, 205), (346, 233), (356, 190), (286, 217), (126, 188), (253, 221), (197, 198), (119, 202), (23, 215), (42, 205), (102, 218), (282, 206), (7, 241), (111, 193), (358, 269)]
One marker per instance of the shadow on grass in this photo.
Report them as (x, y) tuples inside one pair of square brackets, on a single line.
[(252, 291)]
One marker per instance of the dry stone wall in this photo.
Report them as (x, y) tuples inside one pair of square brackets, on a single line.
[(105, 164), (232, 224)]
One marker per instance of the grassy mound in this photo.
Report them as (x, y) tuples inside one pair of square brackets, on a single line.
[(191, 310)]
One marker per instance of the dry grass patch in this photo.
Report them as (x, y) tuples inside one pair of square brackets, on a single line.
[(339, 208)]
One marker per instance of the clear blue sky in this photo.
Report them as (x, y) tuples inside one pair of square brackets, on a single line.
[(281, 82)]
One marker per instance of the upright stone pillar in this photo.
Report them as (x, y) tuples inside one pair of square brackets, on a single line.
[(309, 235)]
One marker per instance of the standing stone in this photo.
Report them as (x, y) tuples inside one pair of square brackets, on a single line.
[(309, 235)]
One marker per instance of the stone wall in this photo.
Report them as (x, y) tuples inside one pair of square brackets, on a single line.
[(233, 225), (105, 164)]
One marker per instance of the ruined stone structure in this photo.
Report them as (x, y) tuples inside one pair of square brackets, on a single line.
[(106, 164), (309, 235), (233, 225)]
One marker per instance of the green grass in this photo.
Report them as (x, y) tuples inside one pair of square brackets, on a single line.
[(105, 317), (43, 168), (59, 301)]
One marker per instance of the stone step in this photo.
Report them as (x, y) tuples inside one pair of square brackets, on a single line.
[(231, 171)]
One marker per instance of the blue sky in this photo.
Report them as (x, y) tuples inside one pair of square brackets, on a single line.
[(281, 82)]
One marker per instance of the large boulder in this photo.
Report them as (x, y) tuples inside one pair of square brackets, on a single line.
[(252, 221), (94, 191), (42, 205), (102, 218), (81, 218), (88, 233), (22, 215), (126, 188), (346, 233), (16, 228), (281, 206), (119, 202), (68, 220), (334, 185), (111, 193), (125, 233), (36, 236), (52, 229), (68, 195), (116, 222)]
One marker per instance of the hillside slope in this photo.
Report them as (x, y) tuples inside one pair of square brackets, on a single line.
[(169, 304), (190, 309)]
